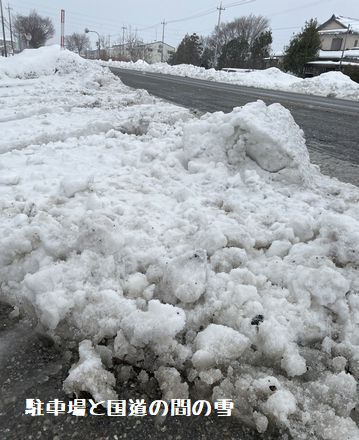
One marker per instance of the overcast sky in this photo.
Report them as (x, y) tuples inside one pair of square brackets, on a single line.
[(108, 16)]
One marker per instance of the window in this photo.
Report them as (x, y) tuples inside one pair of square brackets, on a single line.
[(356, 43), (336, 44)]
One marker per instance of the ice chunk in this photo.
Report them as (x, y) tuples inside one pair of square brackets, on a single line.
[(280, 405), (325, 285), (135, 285), (158, 324), (70, 186), (293, 363), (171, 384), (89, 375), (185, 277), (218, 344)]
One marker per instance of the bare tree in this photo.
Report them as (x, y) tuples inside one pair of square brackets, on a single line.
[(135, 46), (77, 42), (33, 29), (247, 28)]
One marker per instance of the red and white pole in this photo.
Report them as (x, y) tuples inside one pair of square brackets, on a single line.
[(62, 28)]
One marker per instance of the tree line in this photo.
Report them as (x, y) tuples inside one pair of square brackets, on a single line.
[(242, 43)]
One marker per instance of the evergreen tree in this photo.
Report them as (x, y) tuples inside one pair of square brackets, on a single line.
[(303, 47), (234, 54), (207, 57), (260, 50), (189, 51)]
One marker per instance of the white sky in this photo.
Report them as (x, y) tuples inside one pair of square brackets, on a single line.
[(108, 16)]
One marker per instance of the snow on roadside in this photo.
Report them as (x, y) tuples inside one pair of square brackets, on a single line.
[(331, 84), (208, 252)]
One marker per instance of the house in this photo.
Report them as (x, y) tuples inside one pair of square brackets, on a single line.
[(339, 38), (339, 33)]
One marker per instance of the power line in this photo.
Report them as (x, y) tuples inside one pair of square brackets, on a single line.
[(286, 28), (298, 8), (192, 17), (81, 18)]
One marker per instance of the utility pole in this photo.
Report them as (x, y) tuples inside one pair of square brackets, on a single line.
[(220, 9), (62, 28), (123, 40), (345, 43), (3, 28), (10, 24), (163, 38)]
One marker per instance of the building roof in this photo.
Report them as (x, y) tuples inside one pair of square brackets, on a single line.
[(348, 21), (343, 24)]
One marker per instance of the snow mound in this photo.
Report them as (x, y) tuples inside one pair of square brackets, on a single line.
[(331, 84), (205, 254), (267, 135), (47, 60)]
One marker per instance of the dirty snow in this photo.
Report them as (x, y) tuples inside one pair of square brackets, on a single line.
[(330, 84), (207, 252)]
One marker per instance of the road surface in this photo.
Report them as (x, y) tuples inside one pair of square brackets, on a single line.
[(331, 126)]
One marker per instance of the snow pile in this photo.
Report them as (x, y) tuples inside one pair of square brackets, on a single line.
[(207, 253), (33, 63), (266, 135), (331, 84)]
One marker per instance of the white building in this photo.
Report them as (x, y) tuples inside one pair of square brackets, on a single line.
[(150, 52), (158, 52)]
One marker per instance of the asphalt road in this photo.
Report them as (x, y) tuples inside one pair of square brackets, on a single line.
[(331, 126)]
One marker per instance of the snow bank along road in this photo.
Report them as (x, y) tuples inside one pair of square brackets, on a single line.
[(199, 257), (330, 125)]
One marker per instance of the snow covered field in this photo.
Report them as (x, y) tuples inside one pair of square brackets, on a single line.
[(331, 84), (207, 252)]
